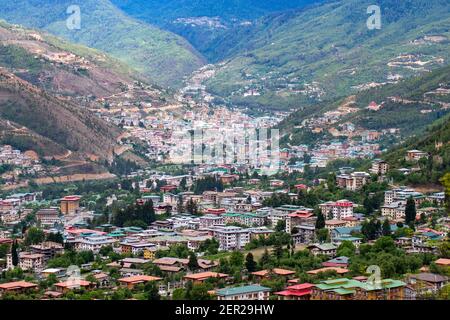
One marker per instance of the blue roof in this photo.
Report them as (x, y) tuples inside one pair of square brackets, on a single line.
[(241, 290)]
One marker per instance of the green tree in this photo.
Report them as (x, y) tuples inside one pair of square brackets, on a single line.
[(151, 291), (14, 254), (346, 249), (34, 236), (237, 259), (320, 222), (386, 228), (250, 263), (281, 226), (193, 263), (410, 211)]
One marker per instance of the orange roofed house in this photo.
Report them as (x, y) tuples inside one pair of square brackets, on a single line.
[(66, 286), (266, 274), (203, 276), (131, 282), (17, 287)]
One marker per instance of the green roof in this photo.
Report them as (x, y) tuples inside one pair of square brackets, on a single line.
[(385, 284), (344, 291), (344, 285), (241, 290)]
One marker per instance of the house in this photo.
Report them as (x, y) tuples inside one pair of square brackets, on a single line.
[(341, 262), (66, 286), (131, 282), (351, 289), (338, 270), (203, 276), (433, 282), (327, 249), (17, 287), (296, 292), (267, 274), (442, 262), (335, 223), (250, 292), (415, 155)]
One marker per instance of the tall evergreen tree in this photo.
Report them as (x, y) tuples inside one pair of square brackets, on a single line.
[(386, 228), (250, 263), (320, 222), (14, 254), (193, 263), (410, 211)]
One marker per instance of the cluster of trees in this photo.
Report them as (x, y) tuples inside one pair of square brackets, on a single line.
[(393, 262), (122, 167), (139, 215), (211, 183), (210, 246), (71, 257)]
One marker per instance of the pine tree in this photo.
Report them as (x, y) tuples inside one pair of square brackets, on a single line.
[(410, 211), (250, 263), (14, 254), (193, 263), (386, 228), (320, 222)]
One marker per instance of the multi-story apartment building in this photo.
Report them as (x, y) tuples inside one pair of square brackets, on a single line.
[(337, 210), (379, 167), (305, 234), (402, 194), (47, 218), (247, 219), (48, 249), (27, 261), (394, 210), (353, 181), (94, 244), (210, 220), (231, 238)]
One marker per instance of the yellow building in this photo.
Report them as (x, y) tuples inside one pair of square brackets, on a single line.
[(70, 204)]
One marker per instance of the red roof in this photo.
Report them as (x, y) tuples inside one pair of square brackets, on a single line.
[(301, 214), (344, 204), (17, 285), (443, 261), (139, 279), (298, 290), (71, 198)]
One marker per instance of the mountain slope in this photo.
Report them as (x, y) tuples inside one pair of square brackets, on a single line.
[(205, 22), (82, 74), (408, 106), (291, 59), (32, 119), (436, 142), (161, 55)]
